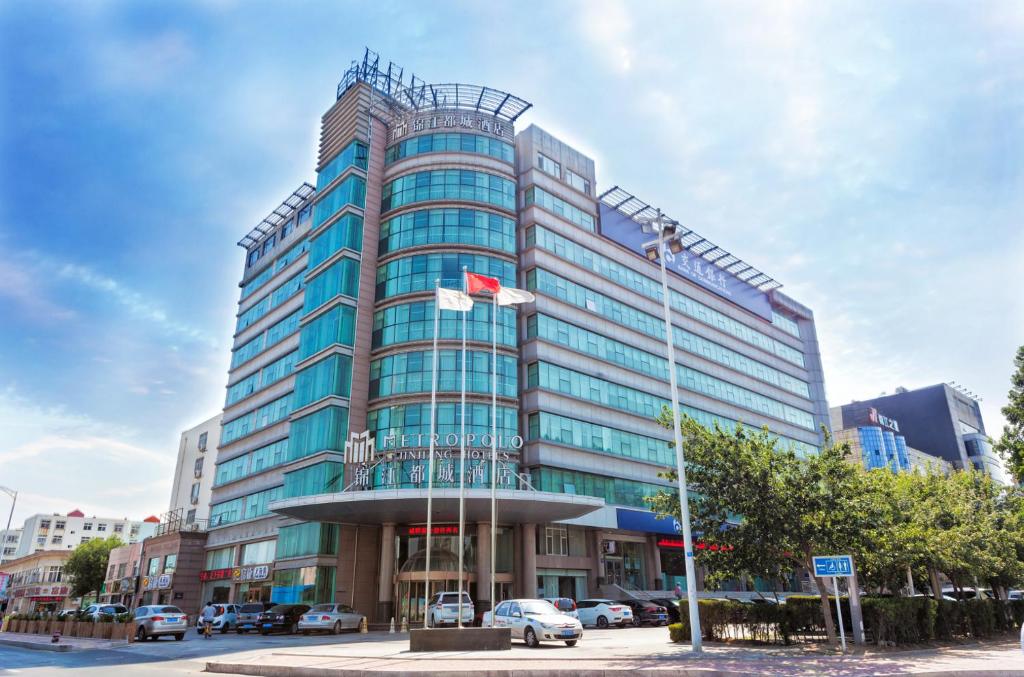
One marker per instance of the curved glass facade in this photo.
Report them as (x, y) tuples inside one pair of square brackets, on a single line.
[(418, 272), (449, 184), (414, 321), (448, 226), (411, 373), (450, 143), (414, 419)]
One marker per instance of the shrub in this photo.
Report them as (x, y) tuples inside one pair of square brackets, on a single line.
[(900, 620), (679, 632)]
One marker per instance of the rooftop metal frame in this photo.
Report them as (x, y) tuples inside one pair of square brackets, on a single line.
[(417, 95), (282, 213), (636, 209)]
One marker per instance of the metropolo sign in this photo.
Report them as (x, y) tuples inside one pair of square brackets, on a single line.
[(362, 448)]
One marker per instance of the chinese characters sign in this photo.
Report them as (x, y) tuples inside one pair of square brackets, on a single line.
[(452, 121)]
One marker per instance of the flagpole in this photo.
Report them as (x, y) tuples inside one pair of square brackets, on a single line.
[(430, 458), (462, 449), (494, 447)]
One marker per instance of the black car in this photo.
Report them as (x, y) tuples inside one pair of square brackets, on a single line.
[(281, 618), (671, 607), (646, 612)]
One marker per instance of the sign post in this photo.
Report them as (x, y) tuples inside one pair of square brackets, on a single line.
[(834, 566)]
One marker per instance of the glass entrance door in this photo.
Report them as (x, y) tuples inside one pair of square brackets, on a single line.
[(613, 570), (412, 597)]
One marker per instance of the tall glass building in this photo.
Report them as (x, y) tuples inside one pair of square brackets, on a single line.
[(322, 465)]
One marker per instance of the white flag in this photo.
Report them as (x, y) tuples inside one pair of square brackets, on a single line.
[(453, 299), (510, 296)]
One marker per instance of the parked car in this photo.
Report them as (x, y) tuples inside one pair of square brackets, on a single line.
[(646, 612), (154, 620), (444, 609), (281, 618), (535, 621), (331, 618), (65, 614), (671, 608), (604, 612), (94, 611), (566, 605), (226, 618), (1015, 594), (248, 615)]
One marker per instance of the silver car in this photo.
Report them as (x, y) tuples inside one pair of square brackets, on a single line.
[(154, 620), (535, 621), (444, 609), (331, 618)]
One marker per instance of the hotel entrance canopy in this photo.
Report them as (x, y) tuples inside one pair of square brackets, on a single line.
[(402, 506)]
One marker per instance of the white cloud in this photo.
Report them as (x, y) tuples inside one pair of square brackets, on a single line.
[(142, 63)]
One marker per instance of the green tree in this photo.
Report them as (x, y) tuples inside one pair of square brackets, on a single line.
[(87, 567), (771, 509), (1011, 444)]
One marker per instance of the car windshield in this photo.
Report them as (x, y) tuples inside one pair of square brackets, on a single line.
[(323, 607), (538, 607), (170, 610)]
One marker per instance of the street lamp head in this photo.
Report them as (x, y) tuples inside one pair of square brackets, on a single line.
[(658, 224)]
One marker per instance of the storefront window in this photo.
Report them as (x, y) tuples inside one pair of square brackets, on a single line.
[(220, 559), (258, 553), (444, 547), (308, 585), (310, 538)]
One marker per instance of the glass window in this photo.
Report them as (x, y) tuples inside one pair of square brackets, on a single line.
[(321, 478), (412, 373), (549, 166), (345, 233), (414, 321), (323, 430), (451, 142), (594, 437), (556, 540), (448, 226), (560, 207), (417, 273), (307, 585), (351, 191), (153, 568), (252, 462), (449, 184), (283, 261), (260, 552), (336, 326), (613, 490), (577, 181), (268, 375), (307, 539), (274, 335), (272, 300), (170, 563), (194, 496), (220, 558), (257, 419), (353, 155), (413, 419), (341, 278), (329, 376)]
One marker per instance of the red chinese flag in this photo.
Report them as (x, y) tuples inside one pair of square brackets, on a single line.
[(478, 283)]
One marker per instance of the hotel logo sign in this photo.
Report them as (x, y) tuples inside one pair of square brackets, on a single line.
[(451, 121), (360, 448)]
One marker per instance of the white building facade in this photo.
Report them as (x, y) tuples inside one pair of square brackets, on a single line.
[(193, 474), (66, 532)]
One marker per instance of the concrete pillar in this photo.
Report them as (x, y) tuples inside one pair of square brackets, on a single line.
[(530, 559), (653, 564), (596, 570), (483, 567), (518, 586), (385, 584)]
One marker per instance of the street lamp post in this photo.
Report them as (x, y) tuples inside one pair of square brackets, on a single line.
[(14, 499), (663, 226)]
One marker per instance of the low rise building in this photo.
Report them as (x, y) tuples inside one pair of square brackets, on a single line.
[(37, 583), (122, 581), (9, 540), (171, 563), (66, 532)]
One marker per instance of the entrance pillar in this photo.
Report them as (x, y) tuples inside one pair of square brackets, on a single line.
[(483, 567), (519, 589), (653, 564), (529, 560), (385, 583)]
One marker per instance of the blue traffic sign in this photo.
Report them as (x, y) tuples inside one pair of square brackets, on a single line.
[(833, 565)]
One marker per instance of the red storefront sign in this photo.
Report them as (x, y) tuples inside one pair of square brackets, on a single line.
[(436, 531), (699, 545), (47, 599), (216, 574)]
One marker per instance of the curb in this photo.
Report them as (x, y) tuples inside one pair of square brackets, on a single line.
[(38, 646)]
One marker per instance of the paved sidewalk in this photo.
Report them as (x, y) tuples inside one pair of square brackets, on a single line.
[(25, 640), (391, 657)]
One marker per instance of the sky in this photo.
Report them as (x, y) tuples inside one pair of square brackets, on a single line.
[(868, 156)]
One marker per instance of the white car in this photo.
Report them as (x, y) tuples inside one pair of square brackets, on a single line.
[(565, 605), (604, 612), (331, 618), (535, 621), (444, 609)]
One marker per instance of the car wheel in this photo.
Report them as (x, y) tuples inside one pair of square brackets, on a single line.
[(199, 631), (264, 632), (530, 637), (337, 628), (224, 628), (602, 622), (140, 634), (570, 642), (239, 630), (636, 622), (179, 636)]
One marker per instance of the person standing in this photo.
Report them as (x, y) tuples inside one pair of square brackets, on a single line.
[(679, 591), (209, 613)]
